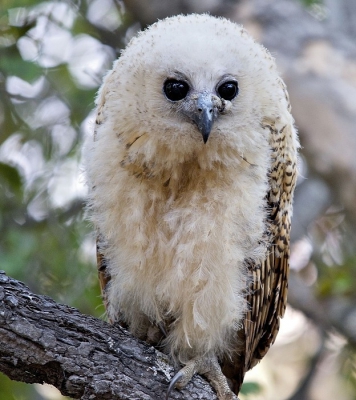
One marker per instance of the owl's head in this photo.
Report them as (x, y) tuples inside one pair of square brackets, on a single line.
[(192, 83)]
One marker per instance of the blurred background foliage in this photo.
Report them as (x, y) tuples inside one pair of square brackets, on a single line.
[(53, 55)]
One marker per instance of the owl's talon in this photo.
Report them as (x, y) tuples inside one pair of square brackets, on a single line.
[(179, 375), (210, 368), (162, 328)]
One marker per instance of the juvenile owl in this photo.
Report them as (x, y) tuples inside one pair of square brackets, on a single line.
[(191, 171)]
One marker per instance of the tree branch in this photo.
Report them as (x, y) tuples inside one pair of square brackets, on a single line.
[(83, 357), (86, 358)]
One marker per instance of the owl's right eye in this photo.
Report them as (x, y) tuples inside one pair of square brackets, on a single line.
[(175, 90), (228, 90)]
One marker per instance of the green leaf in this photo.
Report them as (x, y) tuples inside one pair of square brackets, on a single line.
[(11, 63), (250, 388), (309, 3), (10, 177)]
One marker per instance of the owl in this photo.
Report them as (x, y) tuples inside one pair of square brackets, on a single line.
[(191, 172)]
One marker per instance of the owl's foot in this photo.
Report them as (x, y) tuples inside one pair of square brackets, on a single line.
[(210, 368)]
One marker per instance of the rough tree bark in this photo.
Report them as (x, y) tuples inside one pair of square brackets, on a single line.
[(42, 341)]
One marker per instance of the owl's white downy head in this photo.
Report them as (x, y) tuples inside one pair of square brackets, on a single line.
[(204, 52)]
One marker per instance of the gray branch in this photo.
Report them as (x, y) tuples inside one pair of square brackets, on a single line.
[(85, 358)]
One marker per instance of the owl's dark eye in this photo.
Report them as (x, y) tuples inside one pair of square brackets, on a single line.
[(175, 90), (228, 90)]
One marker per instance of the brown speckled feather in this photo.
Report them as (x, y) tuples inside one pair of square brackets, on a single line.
[(103, 274), (267, 296)]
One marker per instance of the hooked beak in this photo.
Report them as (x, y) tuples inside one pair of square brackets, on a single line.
[(203, 111), (204, 115)]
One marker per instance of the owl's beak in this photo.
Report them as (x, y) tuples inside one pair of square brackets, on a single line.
[(202, 108), (204, 114)]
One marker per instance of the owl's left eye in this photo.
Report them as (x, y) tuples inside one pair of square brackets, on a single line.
[(175, 90), (228, 90)]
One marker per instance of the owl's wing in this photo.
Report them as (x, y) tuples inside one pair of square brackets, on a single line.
[(267, 295)]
